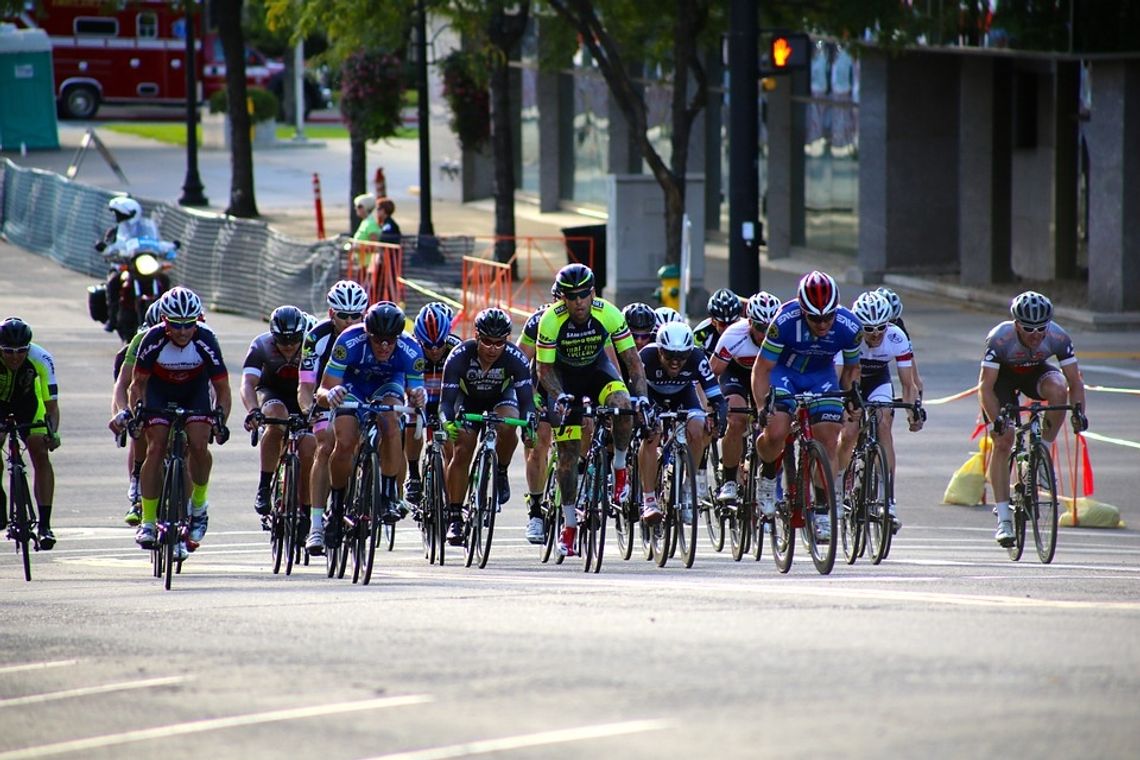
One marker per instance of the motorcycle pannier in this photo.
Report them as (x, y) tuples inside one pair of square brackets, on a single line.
[(97, 302)]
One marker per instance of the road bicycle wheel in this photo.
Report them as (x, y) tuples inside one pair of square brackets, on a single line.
[(277, 519), (817, 495), (626, 514), (551, 510), (755, 518), (1018, 496), (739, 529), (373, 529), (852, 512), (876, 494), (488, 505), (597, 505), (1041, 500), (292, 513), (171, 514), (438, 497), (783, 527), (389, 536), (714, 515), (22, 521), (686, 507), (661, 535)]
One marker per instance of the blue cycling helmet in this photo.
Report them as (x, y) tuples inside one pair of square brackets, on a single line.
[(433, 325)]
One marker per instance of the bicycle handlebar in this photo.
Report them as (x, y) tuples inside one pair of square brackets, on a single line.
[(397, 408), (487, 418)]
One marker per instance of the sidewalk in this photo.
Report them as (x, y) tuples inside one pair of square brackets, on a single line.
[(283, 184)]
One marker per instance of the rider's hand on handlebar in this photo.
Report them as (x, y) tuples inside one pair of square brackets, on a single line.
[(854, 401), (252, 420), (1079, 420), (451, 427), (119, 422), (418, 397), (336, 396), (999, 425), (917, 418), (562, 404)]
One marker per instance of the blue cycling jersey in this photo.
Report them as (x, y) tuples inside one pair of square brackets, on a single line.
[(790, 342), (354, 365)]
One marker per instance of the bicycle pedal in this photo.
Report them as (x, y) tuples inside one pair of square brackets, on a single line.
[(192, 546)]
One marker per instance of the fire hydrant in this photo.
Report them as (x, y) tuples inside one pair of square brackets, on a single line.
[(669, 292)]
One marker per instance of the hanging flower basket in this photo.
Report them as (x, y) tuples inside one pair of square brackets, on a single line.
[(466, 94)]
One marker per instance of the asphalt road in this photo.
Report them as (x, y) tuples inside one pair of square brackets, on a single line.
[(947, 649)]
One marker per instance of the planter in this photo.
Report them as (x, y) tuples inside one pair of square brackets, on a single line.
[(216, 132)]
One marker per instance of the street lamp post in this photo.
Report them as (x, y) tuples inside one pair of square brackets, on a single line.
[(192, 194), (427, 246)]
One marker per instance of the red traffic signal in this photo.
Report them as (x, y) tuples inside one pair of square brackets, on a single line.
[(788, 52)]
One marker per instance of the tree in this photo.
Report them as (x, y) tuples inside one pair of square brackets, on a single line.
[(228, 16), (370, 97), (638, 28)]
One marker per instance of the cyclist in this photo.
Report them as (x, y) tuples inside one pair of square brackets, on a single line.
[(724, 308), (897, 320), (798, 356), (375, 361), (432, 331), (666, 314), (483, 374), (29, 392), (347, 302), (538, 454), (269, 389), (736, 352), (674, 365), (120, 412), (642, 322), (179, 361), (572, 364), (1015, 362), (883, 343)]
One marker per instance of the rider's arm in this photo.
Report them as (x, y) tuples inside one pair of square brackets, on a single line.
[(908, 378), (453, 371), (849, 375), (137, 390), (987, 378), (636, 369), (717, 365), (222, 394), (249, 389), (761, 379), (1076, 384)]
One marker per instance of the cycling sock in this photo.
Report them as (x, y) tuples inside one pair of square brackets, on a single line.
[(1003, 511), (337, 497), (266, 480), (317, 517), (454, 510), (534, 501), (414, 468), (198, 497), (45, 517), (501, 470), (619, 458), (149, 510), (768, 470), (730, 474), (388, 486)]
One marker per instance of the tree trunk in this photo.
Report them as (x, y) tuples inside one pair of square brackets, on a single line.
[(358, 169), (242, 201), (504, 32)]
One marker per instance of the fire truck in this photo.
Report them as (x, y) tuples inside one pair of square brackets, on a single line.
[(128, 53)]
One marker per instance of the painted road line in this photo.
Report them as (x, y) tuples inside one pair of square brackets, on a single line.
[(36, 666), (88, 690), (211, 724), (525, 741), (1107, 439)]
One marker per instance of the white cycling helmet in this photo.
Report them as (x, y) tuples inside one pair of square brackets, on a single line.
[(872, 308), (893, 298), (310, 321), (762, 307), (181, 304), (667, 314), (348, 296), (125, 208), (675, 336)]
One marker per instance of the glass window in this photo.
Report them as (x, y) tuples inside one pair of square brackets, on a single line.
[(95, 26), (147, 25), (590, 129)]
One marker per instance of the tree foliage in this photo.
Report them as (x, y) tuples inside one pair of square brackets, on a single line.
[(371, 94)]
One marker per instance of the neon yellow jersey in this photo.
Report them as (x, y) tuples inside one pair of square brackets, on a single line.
[(133, 348), (34, 378), (562, 342)]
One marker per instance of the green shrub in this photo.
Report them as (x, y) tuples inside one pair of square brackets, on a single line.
[(265, 103)]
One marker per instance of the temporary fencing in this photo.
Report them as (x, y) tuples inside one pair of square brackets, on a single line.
[(379, 267), (236, 265)]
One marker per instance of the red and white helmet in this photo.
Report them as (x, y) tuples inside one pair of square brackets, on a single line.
[(818, 294)]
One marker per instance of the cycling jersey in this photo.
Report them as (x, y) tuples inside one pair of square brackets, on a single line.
[(433, 372), (705, 335), (273, 371), (736, 346), (506, 381), (875, 363), (529, 335), (24, 390), (563, 343), (315, 352), (354, 365), (791, 343), (179, 374), (1004, 350), (679, 391)]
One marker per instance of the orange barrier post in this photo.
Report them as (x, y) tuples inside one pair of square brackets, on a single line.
[(318, 207), (485, 283)]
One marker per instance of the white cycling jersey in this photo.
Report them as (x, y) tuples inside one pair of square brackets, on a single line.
[(736, 345)]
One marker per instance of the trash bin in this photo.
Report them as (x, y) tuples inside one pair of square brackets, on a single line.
[(578, 250)]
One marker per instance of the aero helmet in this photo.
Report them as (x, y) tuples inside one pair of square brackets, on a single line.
[(724, 306), (433, 325), (347, 296), (493, 322), (1031, 309), (818, 294), (675, 336), (640, 317), (762, 307), (872, 309)]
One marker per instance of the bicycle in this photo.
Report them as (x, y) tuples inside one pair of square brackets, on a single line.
[(865, 518), (551, 508), (431, 513), (593, 505), (712, 510), (627, 514), (482, 502), (1033, 481), (677, 485), (362, 513), (285, 521), (739, 519), (21, 515), (807, 474), (172, 527)]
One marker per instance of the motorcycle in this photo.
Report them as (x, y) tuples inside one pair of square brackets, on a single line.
[(142, 268)]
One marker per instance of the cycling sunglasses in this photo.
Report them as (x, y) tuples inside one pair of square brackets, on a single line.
[(642, 336), (492, 342), (9, 350), (578, 295), (675, 356), (872, 329), (820, 319), (1028, 329), (383, 340), (349, 316), (181, 325), (287, 340)]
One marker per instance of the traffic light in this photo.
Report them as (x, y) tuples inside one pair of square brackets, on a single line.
[(789, 52)]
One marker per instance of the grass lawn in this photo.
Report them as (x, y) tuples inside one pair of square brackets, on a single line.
[(175, 133)]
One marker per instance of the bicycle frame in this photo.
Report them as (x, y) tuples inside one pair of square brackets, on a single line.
[(284, 516), (21, 514), (482, 502)]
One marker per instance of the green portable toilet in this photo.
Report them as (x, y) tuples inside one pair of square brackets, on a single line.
[(27, 90)]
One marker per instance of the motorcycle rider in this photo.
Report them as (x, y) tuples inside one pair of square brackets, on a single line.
[(129, 224)]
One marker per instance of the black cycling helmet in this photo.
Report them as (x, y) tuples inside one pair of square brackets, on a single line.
[(573, 277), (384, 319), (15, 333), (640, 317), (724, 306), (493, 323), (287, 323)]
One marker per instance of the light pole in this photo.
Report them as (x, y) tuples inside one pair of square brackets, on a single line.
[(427, 246), (192, 194)]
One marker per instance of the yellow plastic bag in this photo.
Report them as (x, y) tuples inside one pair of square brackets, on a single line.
[(968, 484)]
